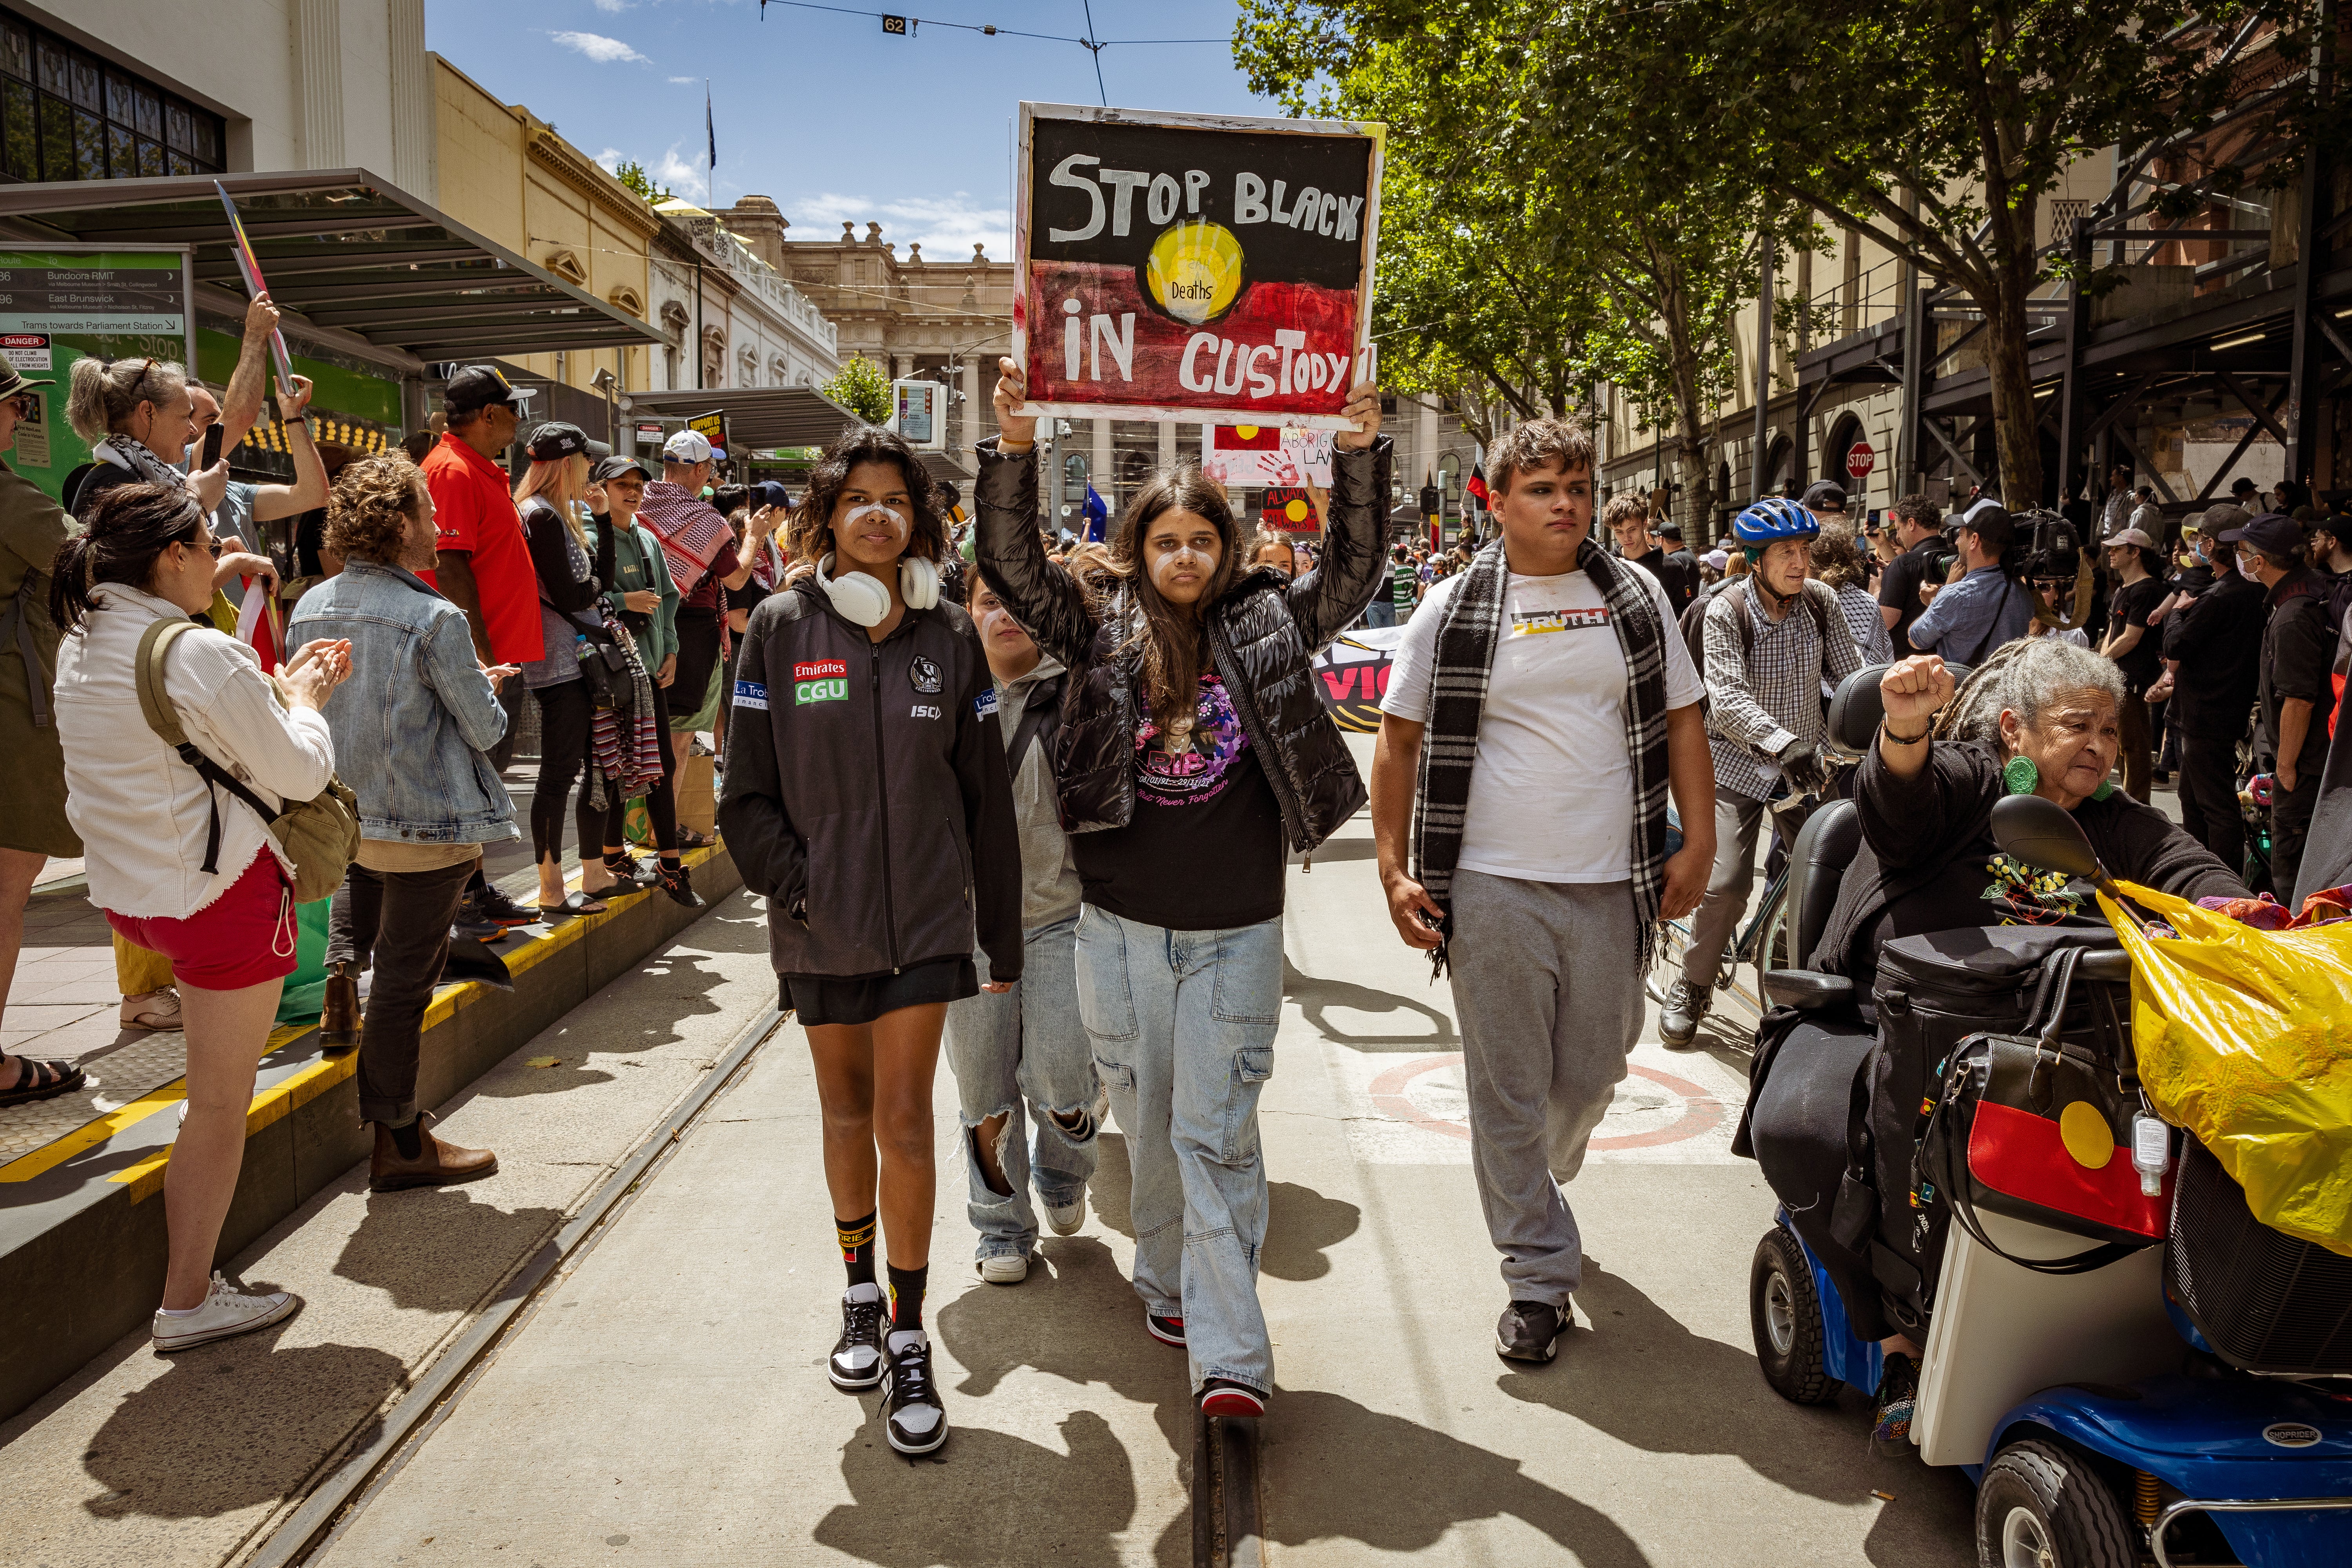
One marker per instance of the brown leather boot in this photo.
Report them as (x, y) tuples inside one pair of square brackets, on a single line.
[(339, 1024), (438, 1164)]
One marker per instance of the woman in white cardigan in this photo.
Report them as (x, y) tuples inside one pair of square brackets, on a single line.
[(148, 823)]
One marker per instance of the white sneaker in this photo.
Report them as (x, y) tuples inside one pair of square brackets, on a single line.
[(226, 1312), (1066, 1221), (1003, 1269)]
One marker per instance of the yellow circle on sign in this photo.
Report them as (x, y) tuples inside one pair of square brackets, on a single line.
[(1246, 432), (1194, 270), (2087, 1135), (1294, 509)]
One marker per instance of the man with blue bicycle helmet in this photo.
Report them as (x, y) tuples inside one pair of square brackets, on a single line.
[(1769, 643)]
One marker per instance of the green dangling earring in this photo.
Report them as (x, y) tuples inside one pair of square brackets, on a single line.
[(2106, 787), (2020, 776)]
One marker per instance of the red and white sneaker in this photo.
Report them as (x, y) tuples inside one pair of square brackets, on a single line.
[(1167, 1330), (1223, 1397)]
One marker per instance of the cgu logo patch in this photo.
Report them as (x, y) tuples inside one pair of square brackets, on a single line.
[(820, 680)]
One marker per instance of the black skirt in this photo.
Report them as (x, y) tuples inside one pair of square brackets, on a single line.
[(862, 998)]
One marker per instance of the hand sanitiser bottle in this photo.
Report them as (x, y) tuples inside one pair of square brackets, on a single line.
[(2151, 1152)]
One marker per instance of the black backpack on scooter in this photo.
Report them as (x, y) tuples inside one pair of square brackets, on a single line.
[(1933, 992)]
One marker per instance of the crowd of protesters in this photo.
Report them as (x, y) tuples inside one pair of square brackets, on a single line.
[(1028, 802)]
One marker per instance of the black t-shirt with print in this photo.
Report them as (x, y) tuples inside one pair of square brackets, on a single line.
[(1203, 850), (1981, 887), (2130, 608)]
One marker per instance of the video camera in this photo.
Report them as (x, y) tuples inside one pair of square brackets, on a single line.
[(2046, 555)]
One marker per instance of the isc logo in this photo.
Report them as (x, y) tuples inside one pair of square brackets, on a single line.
[(923, 710), (807, 692)]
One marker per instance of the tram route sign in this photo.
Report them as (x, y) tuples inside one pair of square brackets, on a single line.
[(60, 303), (1210, 269)]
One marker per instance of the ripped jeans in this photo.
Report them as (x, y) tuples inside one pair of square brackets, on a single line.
[(1027, 1044), (1182, 1024)]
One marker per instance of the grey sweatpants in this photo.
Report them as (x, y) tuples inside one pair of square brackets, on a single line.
[(1548, 994)]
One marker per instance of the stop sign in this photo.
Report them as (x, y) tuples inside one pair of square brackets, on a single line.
[(1859, 459)]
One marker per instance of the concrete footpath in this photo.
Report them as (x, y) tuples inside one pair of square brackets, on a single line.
[(667, 1404), (192, 1459)]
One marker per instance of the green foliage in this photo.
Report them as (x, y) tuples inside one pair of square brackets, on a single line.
[(633, 175), (860, 386)]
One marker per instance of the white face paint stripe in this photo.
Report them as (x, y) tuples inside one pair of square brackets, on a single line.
[(857, 514)]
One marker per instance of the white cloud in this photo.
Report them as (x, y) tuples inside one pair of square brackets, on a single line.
[(600, 48), (611, 8), (679, 175), (947, 228), (684, 80), (609, 159)]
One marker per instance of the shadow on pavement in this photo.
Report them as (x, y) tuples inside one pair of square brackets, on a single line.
[(1300, 1222), (1316, 998), (1336, 1470), (992, 1499), (416, 1247), (234, 1424)]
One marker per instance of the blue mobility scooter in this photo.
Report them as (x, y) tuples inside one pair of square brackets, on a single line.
[(2188, 1404)]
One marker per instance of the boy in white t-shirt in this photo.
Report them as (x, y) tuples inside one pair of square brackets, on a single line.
[(1548, 905)]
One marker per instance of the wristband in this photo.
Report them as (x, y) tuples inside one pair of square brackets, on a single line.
[(1887, 733)]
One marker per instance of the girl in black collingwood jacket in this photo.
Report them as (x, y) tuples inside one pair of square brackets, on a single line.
[(1194, 751), (868, 801)]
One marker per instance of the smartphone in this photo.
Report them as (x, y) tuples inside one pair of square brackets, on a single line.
[(212, 445)]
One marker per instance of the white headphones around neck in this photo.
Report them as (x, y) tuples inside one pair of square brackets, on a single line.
[(864, 601)]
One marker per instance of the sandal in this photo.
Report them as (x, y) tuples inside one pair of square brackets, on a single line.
[(574, 903), (43, 1080), (688, 839), (154, 1010)]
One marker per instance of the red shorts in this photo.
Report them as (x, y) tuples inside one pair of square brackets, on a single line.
[(242, 938)]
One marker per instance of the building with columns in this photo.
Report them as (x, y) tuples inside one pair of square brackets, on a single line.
[(733, 317)]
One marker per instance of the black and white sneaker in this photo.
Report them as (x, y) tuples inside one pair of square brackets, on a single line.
[(1530, 1330), (1167, 1330), (856, 1361), (918, 1422)]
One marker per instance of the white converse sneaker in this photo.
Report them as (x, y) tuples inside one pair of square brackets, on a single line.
[(1066, 1221), (226, 1312), (1003, 1269)]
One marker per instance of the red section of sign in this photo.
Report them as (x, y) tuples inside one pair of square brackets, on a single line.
[(820, 670), (1261, 438), (1118, 348), (1859, 459)]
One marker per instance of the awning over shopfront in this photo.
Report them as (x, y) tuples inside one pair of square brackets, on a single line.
[(345, 250)]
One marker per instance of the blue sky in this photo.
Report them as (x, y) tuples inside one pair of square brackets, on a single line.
[(825, 113)]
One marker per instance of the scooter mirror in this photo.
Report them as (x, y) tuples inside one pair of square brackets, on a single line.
[(2039, 832)]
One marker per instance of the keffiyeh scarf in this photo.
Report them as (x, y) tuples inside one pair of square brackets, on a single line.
[(133, 455), (1466, 640), (691, 530)]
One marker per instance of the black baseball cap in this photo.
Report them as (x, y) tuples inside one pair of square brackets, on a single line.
[(2338, 524), (2272, 531), (2244, 486), (556, 439), (478, 386), (1669, 529), (614, 467), (772, 492), (1825, 493)]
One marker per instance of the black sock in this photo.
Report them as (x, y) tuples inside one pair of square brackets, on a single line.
[(907, 1296), (857, 1238), (409, 1139)]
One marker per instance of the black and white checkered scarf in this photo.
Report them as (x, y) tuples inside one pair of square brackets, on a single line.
[(1466, 640)]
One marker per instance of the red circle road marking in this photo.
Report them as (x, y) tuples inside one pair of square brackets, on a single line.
[(1702, 1113)]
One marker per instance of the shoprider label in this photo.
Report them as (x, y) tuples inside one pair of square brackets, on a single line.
[(820, 680)]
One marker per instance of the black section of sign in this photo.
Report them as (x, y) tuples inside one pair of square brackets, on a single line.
[(1331, 165), (81, 290)]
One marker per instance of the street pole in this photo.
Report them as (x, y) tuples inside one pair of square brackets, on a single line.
[(1763, 372)]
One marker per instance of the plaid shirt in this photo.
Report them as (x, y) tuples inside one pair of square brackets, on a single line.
[(1764, 696)]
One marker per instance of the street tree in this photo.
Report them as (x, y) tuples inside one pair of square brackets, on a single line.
[(860, 386)]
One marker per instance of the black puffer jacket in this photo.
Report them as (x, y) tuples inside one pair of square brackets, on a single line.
[(1262, 635)]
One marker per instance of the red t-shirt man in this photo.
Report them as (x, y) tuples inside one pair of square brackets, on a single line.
[(474, 513)]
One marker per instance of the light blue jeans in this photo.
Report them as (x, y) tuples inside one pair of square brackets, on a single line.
[(1182, 1024), (1027, 1044)]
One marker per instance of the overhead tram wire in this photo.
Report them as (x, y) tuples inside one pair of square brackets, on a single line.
[(1093, 45)]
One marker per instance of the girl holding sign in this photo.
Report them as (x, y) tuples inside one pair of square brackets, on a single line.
[(1195, 752)]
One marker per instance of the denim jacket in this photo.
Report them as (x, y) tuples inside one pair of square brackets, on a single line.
[(412, 722)]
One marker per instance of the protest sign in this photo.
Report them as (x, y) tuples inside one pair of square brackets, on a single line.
[(1248, 457), (1193, 267)]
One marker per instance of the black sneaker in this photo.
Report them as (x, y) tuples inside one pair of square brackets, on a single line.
[(1899, 1394), (469, 930), (630, 870), (918, 1422), (1530, 1330), (1167, 1330), (493, 904), (679, 886), (857, 1356)]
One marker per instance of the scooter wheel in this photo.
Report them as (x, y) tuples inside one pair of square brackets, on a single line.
[(1784, 1311), (2042, 1506)]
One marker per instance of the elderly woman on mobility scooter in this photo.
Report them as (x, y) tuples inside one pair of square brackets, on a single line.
[(2040, 717)]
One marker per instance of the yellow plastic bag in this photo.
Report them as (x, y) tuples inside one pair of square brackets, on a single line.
[(2244, 1039)]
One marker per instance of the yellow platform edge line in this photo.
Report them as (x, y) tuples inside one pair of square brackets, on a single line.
[(145, 1176)]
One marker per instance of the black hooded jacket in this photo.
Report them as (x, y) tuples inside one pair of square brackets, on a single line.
[(1262, 637), (867, 794)]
